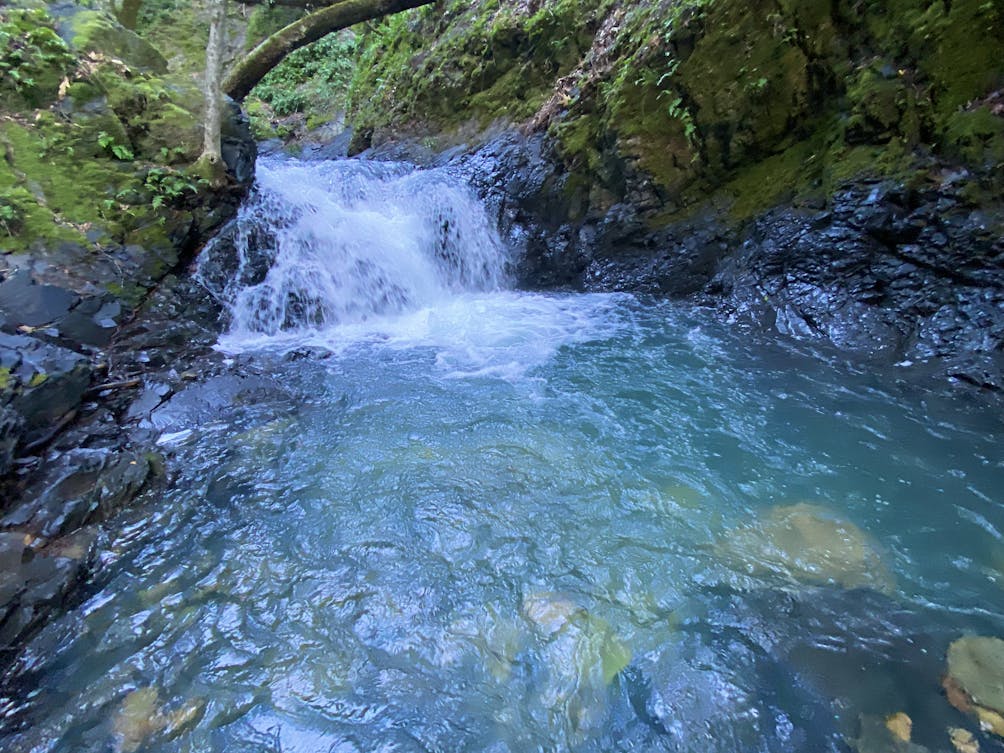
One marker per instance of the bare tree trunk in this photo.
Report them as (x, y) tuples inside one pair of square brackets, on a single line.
[(310, 28), (212, 156)]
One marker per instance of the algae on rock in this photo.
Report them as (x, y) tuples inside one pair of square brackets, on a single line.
[(806, 544)]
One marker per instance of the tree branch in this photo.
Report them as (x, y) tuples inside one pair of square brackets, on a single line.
[(310, 28)]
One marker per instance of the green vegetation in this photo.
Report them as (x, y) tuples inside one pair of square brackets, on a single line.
[(744, 104), (312, 80), (99, 108), (750, 103), (33, 58)]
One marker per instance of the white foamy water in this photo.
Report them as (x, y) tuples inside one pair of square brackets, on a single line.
[(363, 253)]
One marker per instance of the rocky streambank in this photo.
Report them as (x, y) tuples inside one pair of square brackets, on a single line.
[(99, 215), (829, 171), (889, 272)]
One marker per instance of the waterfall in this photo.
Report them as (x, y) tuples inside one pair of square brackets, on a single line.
[(328, 244)]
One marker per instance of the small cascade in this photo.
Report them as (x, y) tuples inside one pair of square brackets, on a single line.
[(325, 244)]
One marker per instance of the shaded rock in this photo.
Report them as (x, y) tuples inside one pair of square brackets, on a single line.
[(82, 486), (92, 322), (11, 428), (31, 591), (23, 302), (974, 682), (806, 544), (887, 273), (44, 381), (13, 550)]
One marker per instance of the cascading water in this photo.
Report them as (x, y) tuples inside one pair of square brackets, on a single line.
[(349, 242), (487, 520)]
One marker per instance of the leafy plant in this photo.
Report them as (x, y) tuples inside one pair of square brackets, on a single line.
[(170, 186), (10, 218), (120, 151)]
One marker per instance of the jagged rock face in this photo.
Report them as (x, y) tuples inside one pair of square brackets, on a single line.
[(895, 274), (904, 275)]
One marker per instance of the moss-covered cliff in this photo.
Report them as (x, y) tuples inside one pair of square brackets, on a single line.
[(755, 102), (97, 136)]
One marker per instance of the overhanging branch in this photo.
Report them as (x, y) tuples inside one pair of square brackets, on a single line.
[(310, 28)]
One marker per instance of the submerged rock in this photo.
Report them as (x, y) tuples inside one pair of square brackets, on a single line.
[(900, 725), (974, 682), (880, 735), (963, 740), (549, 611), (806, 544), (138, 718), (582, 655)]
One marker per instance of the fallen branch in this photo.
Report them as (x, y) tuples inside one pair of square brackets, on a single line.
[(42, 441), (120, 385)]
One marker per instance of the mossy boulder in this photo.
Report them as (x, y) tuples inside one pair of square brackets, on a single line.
[(91, 31)]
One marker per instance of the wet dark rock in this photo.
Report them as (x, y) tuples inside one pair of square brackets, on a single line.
[(42, 382), (888, 273), (80, 487), (23, 302), (33, 584), (881, 273), (238, 147), (92, 322), (223, 269), (11, 428), (209, 400), (41, 586)]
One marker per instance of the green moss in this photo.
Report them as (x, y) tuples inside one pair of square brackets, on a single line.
[(768, 182), (96, 31), (976, 136), (966, 61), (478, 62), (171, 133), (508, 98), (5, 378), (130, 294), (37, 379)]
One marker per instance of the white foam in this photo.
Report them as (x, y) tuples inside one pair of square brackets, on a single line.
[(382, 255), (501, 334)]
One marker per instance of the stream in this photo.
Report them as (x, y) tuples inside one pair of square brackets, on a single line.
[(438, 513)]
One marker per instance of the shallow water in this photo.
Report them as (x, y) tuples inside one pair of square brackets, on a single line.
[(490, 520)]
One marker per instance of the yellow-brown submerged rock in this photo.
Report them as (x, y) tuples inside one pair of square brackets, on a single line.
[(974, 682), (806, 544)]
